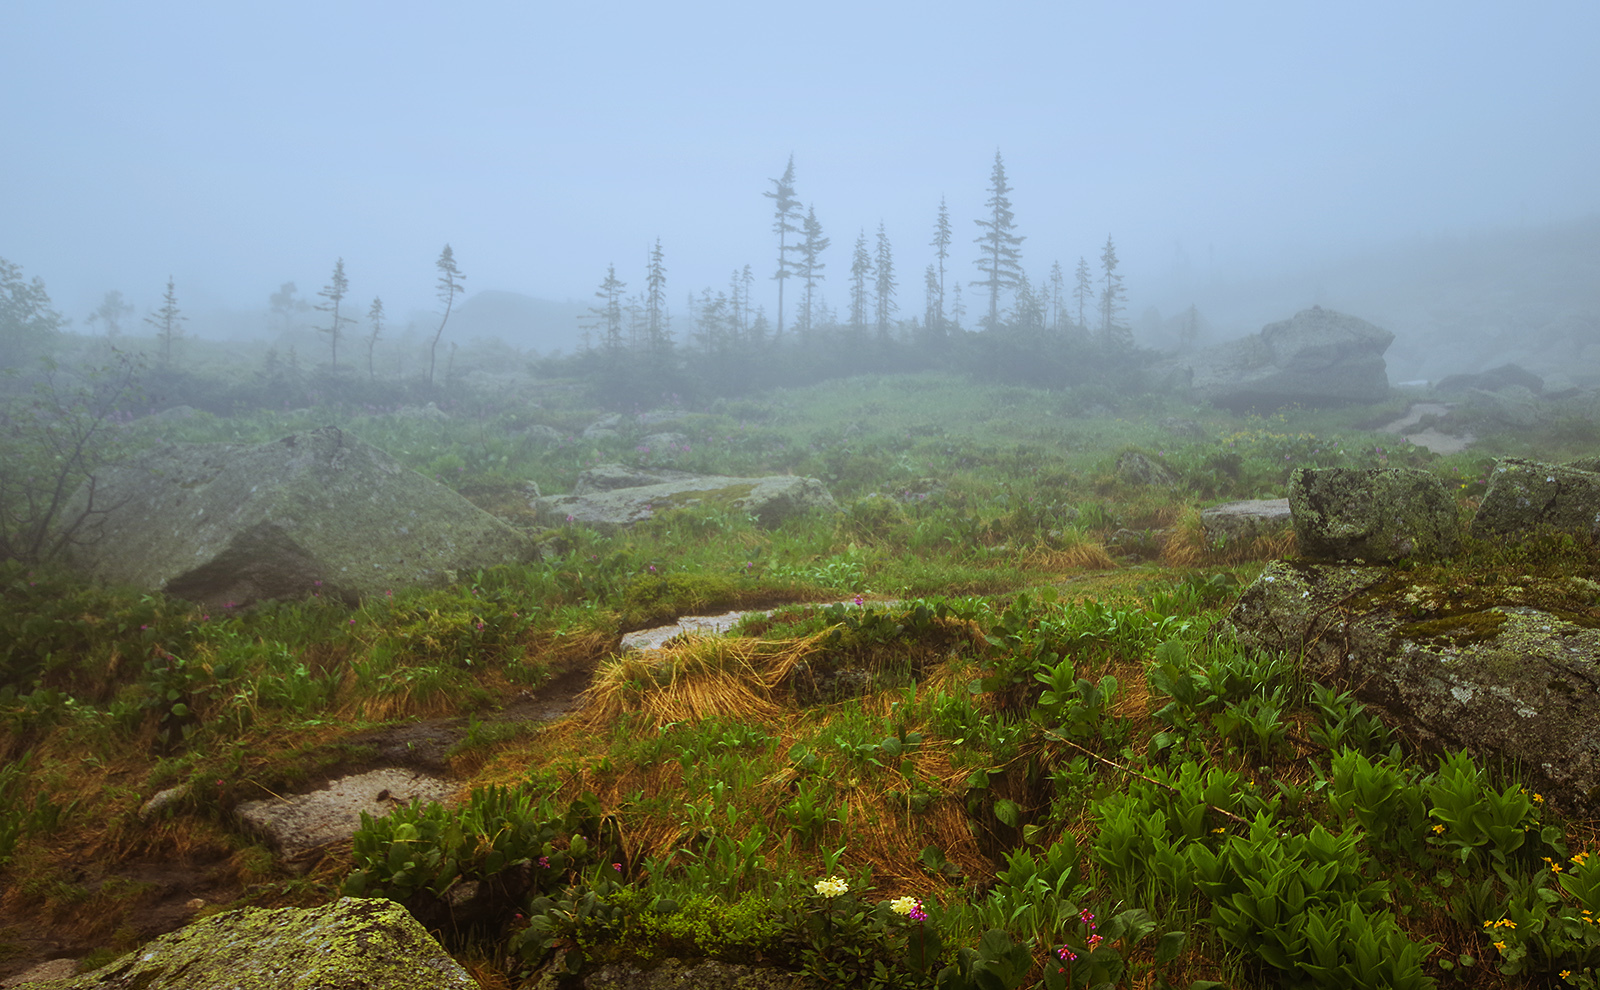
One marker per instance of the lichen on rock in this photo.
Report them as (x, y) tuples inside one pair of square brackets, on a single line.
[(352, 944), (1375, 515)]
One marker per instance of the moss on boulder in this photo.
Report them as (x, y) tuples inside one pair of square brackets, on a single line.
[(352, 944), (1509, 672), (616, 498), (1377, 515), (1527, 495)]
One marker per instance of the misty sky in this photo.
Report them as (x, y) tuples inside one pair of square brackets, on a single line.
[(238, 146)]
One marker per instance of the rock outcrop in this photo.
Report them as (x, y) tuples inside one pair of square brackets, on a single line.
[(316, 512), (1379, 516), (1317, 358), (611, 496), (1510, 674), (352, 944), (299, 823)]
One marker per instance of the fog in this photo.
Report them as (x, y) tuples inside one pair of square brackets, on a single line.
[(1401, 162)]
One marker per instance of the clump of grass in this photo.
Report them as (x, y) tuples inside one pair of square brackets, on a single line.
[(696, 678)]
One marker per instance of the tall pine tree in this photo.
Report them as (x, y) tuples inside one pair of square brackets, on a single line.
[(375, 318), (1083, 292), (1112, 332), (811, 264), (449, 285), (168, 321), (860, 268), (885, 286), (658, 338), (1000, 260), (785, 208), (941, 252), (335, 291)]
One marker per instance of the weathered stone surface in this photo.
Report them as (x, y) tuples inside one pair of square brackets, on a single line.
[(1377, 515), (1138, 468), (1243, 521), (298, 823), (352, 944), (161, 801), (51, 969), (1492, 380), (543, 436), (1507, 681), (317, 511), (1511, 405), (771, 500), (703, 974), (611, 477), (1316, 358), (1526, 495)]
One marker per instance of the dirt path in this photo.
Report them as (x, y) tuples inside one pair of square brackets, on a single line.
[(1431, 438)]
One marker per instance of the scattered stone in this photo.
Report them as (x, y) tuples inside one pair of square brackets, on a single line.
[(659, 443), (161, 801), (611, 477), (1188, 429), (604, 428), (771, 500), (299, 824), (543, 436), (1233, 523), (1378, 515), (431, 411), (703, 974), (320, 512), (1492, 380), (1526, 495), (1509, 681), (195, 903), (1317, 358), (352, 944), (1138, 468), (1512, 405)]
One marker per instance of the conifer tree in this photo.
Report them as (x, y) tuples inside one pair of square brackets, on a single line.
[(375, 319), (941, 251), (885, 309), (747, 279), (449, 284), (1084, 291), (1111, 298), (931, 317), (811, 264), (607, 317), (657, 336), (1058, 289), (958, 309), (785, 208), (1000, 260), (335, 291), (168, 322), (860, 268)]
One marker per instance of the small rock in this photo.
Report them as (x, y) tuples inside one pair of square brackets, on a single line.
[(161, 801), (1233, 523)]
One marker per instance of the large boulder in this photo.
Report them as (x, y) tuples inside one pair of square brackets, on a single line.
[(352, 944), (316, 512), (300, 823), (602, 499), (1526, 495), (1316, 358), (1510, 673), (1377, 515)]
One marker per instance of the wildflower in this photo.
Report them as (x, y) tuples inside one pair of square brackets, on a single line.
[(906, 905), (544, 862), (1438, 830), (1095, 940), (1086, 917), (1538, 798), (1065, 954), (832, 887), (860, 600), (1501, 946), (617, 867), (1565, 973)]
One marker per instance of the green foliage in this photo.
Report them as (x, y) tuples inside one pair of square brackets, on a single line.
[(22, 815)]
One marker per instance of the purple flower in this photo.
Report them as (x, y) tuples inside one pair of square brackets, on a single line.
[(617, 867), (544, 861)]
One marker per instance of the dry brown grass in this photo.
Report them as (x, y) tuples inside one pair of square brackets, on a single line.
[(1086, 556), (1187, 546)]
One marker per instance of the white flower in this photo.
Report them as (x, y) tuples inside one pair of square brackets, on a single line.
[(904, 905), (832, 887)]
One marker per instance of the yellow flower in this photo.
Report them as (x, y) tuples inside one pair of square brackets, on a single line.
[(1538, 799), (1566, 973), (1438, 830), (1501, 946), (832, 887)]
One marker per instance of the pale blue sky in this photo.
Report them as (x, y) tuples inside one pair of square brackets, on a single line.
[(240, 145)]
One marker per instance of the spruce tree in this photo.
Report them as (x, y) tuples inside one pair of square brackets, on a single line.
[(449, 285), (335, 291), (657, 337), (784, 210), (1084, 291), (860, 268), (168, 322), (375, 319), (931, 317), (885, 285), (607, 317), (811, 264), (1058, 291), (113, 309), (1111, 298), (1000, 260), (941, 251)]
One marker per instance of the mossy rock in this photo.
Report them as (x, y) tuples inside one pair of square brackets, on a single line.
[(353, 944), (1375, 515), (1524, 496), (1509, 672), (769, 500)]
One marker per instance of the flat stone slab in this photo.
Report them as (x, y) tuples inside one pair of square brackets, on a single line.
[(1235, 522), (303, 822)]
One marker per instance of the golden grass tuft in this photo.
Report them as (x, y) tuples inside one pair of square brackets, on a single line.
[(1186, 545), (695, 678), (1085, 556)]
